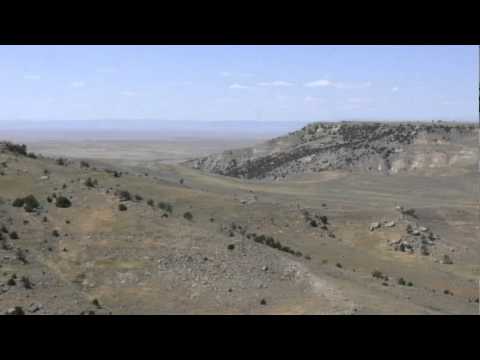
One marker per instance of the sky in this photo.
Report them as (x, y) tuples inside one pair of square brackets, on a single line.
[(239, 83)]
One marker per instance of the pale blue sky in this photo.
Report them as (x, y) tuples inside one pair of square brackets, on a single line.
[(235, 83)]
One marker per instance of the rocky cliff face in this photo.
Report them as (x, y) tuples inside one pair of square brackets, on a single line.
[(386, 148)]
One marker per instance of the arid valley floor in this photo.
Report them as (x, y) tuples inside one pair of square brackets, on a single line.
[(302, 224)]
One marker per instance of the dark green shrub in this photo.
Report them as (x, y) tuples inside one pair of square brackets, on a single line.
[(27, 284), (14, 235), (18, 202), (16, 148), (188, 215), (21, 256), (63, 202), (447, 260), (55, 233), (402, 281), (424, 250), (150, 202), (124, 195), (30, 203), (165, 206), (231, 247), (96, 303), (377, 274), (122, 207), (91, 183)]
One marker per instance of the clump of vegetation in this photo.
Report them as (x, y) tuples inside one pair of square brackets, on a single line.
[(402, 281), (4, 229), (124, 195), (150, 202), (188, 215), (91, 183), (338, 265), (63, 202), (14, 235), (377, 274), (115, 173), (165, 206), (271, 242), (11, 281), (84, 164), (27, 284), (138, 197), (263, 302), (18, 202), (424, 250), (16, 148), (315, 220), (31, 155), (61, 162), (231, 247), (447, 260), (30, 203), (17, 310), (122, 207), (55, 233), (21, 256)]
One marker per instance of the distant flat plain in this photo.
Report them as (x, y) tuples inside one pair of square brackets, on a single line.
[(133, 148)]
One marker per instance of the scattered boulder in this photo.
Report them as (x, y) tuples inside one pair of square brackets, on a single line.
[(374, 226), (389, 224), (17, 310)]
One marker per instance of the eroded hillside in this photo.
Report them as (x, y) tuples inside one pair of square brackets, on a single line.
[(387, 148)]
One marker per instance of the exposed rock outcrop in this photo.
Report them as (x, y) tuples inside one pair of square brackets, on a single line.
[(386, 148)]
